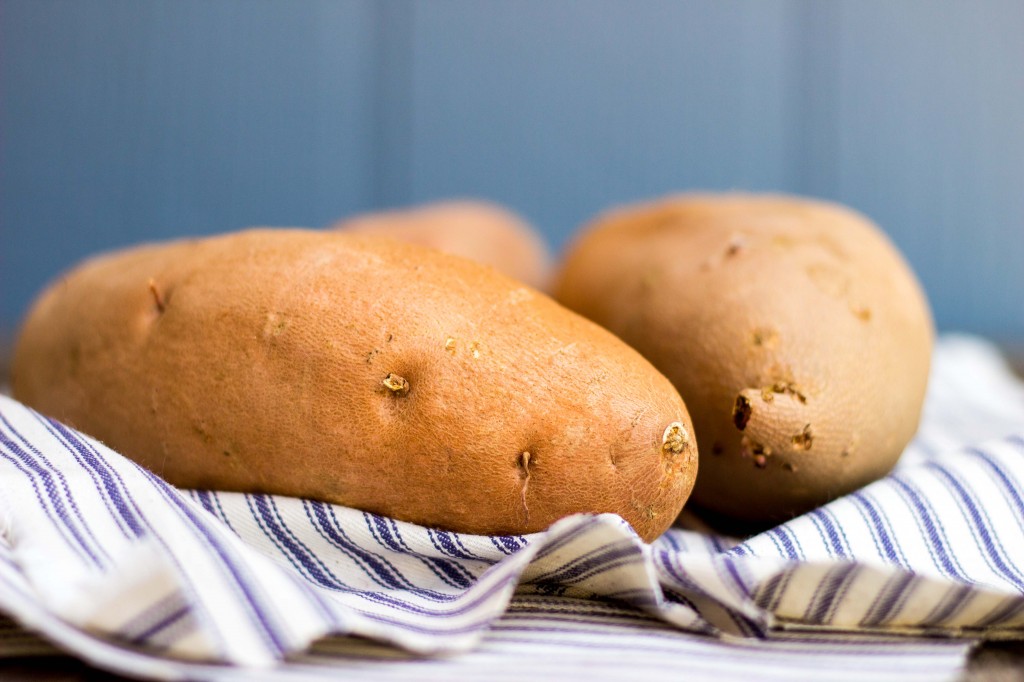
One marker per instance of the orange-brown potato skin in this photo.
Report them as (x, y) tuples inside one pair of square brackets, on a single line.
[(795, 332), (359, 371), (478, 230)]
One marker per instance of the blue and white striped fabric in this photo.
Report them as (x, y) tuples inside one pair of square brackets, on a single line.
[(102, 559)]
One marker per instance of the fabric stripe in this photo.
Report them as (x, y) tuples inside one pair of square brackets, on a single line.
[(247, 580)]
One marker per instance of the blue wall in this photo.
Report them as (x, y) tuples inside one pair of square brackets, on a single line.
[(123, 121)]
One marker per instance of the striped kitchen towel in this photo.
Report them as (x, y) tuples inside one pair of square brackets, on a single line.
[(102, 559)]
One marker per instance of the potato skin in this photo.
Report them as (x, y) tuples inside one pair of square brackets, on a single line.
[(478, 230), (795, 332), (359, 371)]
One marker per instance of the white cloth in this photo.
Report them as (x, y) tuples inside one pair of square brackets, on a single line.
[(109, 563)]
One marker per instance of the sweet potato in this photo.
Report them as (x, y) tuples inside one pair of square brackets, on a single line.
[(360, 371), (477, 230), (793, 328)]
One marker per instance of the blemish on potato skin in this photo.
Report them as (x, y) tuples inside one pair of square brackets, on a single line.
[(275, 325), (599, 378), (862, 313), (474, 349), (647, 511), (637, 416), (741, 412), (449, 345), (759, 453), (735, 247), (569, 350), (765, 337), (519, 295), (803, 440), (783, 388), (396, 384), (613, 457), (203, 434)]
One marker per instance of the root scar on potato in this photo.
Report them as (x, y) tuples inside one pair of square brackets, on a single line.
[(741, 412), (675, 438), (736, 244), (524, 468), (396, 384), (158, 299)]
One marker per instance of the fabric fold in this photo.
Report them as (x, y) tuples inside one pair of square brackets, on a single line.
[(95, 543)]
